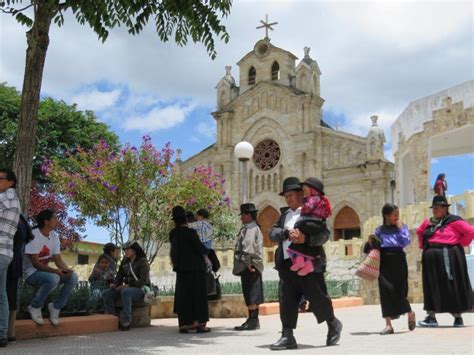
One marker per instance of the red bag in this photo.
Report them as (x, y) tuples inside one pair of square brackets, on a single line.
[(369, 269)]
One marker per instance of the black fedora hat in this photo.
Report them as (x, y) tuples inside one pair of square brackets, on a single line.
[(291, 184), (440, 201), (247, 208), (314, 183)]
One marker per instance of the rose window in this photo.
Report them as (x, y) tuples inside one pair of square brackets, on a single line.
[(266, 154)]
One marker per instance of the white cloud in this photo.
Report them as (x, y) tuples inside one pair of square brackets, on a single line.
[(206, 129), (96, 100), (405, 24), (158, 118), (375, 57)]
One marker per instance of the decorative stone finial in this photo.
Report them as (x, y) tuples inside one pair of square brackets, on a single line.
[(374, 119), (228, 68), (178, 154), (306, 51)]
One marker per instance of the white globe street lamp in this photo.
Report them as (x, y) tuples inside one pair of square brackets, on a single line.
[(243, 151)]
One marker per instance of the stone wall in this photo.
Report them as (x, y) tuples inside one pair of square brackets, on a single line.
[(413, 156)]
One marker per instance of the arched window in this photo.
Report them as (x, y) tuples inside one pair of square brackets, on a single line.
[(275, 71), (266, 218), (252, 75), (346, 224)]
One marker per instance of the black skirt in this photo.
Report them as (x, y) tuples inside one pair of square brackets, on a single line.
[(442, 294), (393, 284), (190, 298), (252, 287)]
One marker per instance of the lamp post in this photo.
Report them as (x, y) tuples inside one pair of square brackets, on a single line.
[(243, 151)]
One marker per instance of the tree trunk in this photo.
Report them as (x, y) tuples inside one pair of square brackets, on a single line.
[(38, 41)]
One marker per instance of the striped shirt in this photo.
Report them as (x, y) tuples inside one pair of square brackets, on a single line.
[(9, 216)]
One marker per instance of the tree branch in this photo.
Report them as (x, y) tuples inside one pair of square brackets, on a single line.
[(12, 11)]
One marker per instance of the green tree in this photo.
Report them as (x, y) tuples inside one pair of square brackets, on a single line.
[(202, 188), (61, 129), (181, 20), (131, 193), (115, 188)]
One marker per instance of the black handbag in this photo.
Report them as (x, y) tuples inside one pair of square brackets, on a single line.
[(214, 291)]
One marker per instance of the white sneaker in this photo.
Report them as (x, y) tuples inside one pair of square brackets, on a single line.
[(53, 314), (36, 315)]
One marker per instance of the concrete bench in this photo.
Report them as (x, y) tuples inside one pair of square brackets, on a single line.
[(141, 313), (229, 306), (98, 323)]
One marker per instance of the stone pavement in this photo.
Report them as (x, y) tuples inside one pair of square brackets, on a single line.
[(360, 336)]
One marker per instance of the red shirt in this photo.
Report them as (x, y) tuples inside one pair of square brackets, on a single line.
[(457, 232)]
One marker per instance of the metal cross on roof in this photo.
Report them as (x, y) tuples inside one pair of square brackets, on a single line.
[(266, 25)]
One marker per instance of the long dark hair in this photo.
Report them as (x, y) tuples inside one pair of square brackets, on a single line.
[(109, 248), (442, 175), (138, 250), (387, 209), (42, 217)]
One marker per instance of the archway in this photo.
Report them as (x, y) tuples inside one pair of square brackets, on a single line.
[(346, 224), (266, 218)]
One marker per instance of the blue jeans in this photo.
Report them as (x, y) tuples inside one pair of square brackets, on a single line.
[(47, 282), (4, 262), (128, 296)]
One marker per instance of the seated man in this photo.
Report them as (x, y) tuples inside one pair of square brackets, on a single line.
[(45, 247)]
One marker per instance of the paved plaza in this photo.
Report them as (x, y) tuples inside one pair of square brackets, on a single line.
[(360, 336)]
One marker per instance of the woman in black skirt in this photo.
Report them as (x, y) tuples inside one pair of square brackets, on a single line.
[(446, 285), (391, 237), (187, 256)]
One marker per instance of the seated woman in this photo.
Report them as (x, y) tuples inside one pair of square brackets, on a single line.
[(133, 274), (110, 253), (101, 276), (190, 298)]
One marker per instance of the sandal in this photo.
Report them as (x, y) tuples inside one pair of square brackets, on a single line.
[(411, 320), (386, 331)]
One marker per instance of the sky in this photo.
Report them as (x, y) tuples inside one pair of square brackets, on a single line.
[(375, 57)]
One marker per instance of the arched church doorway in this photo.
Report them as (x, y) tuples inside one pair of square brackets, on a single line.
[(266, 218), (346, 224)]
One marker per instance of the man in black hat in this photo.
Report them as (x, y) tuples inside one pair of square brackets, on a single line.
[(293, 286), (248, 264)]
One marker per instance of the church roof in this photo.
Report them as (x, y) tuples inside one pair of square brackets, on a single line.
[(199, 153), (252, 52)]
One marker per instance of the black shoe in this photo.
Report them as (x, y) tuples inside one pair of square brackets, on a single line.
[(458, 322), (203, 330), (249, 324), (287, 341), (429, 321), (125, 326), (3, 343), (11, 339), (334, 332)]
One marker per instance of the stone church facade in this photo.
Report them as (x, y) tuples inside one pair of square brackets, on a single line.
[(277, 107)]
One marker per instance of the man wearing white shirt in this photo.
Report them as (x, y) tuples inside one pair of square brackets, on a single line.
[(293, 286)]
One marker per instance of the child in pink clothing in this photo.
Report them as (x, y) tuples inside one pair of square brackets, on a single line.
[(316, 209)]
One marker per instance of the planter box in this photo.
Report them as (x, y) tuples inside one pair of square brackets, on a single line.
[(98, 323)]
